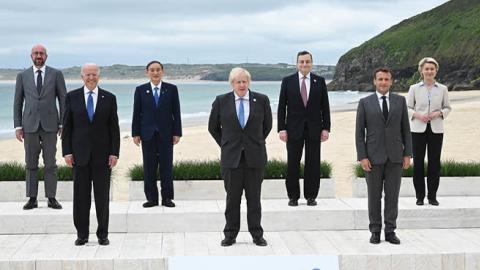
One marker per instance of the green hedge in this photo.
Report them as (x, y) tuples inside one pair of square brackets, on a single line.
[(15, 171), (210, 170), (448, 168)]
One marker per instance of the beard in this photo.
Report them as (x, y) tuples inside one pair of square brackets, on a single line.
[(39, 62)]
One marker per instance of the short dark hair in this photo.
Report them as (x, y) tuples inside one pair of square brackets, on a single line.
[(153, 62), (382, 69), (304, 53)]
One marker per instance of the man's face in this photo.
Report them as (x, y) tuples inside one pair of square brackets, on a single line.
[(90, 76), (304, 64), (240, 85), (155, 73), (383, 82), (39, 55)]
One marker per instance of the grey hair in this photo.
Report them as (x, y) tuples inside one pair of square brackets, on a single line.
[(237, 71), (89, 64)]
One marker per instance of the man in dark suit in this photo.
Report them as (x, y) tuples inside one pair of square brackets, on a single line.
[(384, 147), (240, 121), (303, 119), (39, 122), (157, 126), (91, 145)]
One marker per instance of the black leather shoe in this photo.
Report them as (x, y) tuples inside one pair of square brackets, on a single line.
[(81, 241), (433, 202), (375, 238), (150, 204), (32, 203), (103, 241), (311, 202), (293, 202), (419, 202), (228, 242), (392, 238), (168, 203), (53, 203), (260, 241)]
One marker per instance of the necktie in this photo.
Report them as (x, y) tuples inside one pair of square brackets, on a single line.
[(39, 81), (241, 114), (156, 96), (385, 108), (303, 92), (90, 109)]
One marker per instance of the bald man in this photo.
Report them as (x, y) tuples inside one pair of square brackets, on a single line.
[(37, 122)]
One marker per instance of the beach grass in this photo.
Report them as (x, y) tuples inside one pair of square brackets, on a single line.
[(210, 170), (449, 168), (15, 171)]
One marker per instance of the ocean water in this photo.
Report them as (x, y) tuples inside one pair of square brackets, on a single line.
[(195, 100)]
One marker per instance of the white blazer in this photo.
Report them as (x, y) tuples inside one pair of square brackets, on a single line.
[(420, 99)]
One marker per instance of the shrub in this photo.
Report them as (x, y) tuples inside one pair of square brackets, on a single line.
[(15, 171)]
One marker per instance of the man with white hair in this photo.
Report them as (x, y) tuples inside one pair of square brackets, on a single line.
[(91, 145)]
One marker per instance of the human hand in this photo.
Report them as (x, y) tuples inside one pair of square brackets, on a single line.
[(175, 139), (283, 136), (69, 160), (366, 166), (324, 136), (112, 161), (19, 134), (137, 140)]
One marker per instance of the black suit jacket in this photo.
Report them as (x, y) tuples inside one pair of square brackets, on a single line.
[(224, 127), (87, 141), (292, 115), (147, 117)]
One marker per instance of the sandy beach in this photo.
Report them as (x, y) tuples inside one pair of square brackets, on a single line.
[(461, 142)]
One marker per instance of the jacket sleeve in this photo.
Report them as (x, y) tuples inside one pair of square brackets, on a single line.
[(18, 101), (67, 128), (177, 120), (267, 120), (137, 110), (114, 129), (406, 134), (61, 92), (214, 126), (360, 132), (326, 124), (282, 107), (446, 109), (411, 102)]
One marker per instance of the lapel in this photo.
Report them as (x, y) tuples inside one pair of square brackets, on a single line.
[(376, 105), (81, 95), (31, 81), (252, 102), (162, 94), (296, 89), (48, 77), (100, 103), (313, 89), (149, 93), (392, 107), (233, 109)]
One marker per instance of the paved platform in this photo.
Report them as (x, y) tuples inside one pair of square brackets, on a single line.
[(426, 249), (207, 216)]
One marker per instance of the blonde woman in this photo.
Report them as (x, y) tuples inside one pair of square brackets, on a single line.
[(428, 105)]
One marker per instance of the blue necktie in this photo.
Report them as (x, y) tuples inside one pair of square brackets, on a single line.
[(241, 114), (156, 96), (90, 109)]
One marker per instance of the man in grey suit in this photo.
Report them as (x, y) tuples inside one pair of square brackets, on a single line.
[(384, 147), (38, 122)]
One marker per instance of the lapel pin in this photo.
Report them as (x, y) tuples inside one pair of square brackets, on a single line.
[(254, 100), (103, 96), (148, 91), (314, 80)]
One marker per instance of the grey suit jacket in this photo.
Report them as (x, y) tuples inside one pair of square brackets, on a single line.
[(39, 108), (378, 140)]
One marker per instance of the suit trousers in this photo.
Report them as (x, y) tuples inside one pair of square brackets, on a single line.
[(385, 177), (83, 177), (158, 155), (432, 142), (235, 181), (47, 143), (311, 181)]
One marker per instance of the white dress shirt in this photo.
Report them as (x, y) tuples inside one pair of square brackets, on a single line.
[(94, 96), (246, 104), (380, 100), (307, 82), (35, 74)]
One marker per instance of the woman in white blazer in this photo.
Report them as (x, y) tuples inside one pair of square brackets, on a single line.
[(428, 105)]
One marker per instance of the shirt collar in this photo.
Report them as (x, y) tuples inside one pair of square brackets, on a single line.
[(300, 76), (86, 91), (35, 69), (379, 96), (153, 85), (434, 83), (246, 97)]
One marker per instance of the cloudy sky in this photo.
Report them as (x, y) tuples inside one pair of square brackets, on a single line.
[(193, 31)]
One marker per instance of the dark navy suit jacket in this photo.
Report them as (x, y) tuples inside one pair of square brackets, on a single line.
[(147, 117)]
